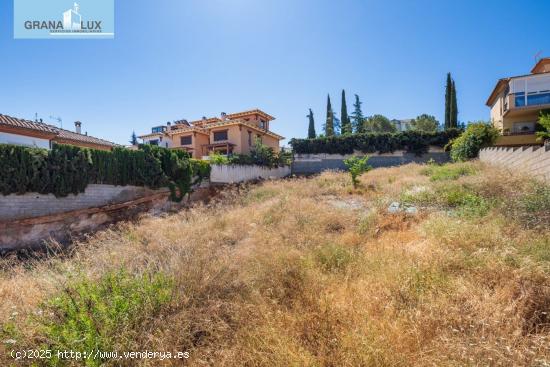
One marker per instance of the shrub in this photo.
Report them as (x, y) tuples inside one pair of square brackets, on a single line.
[(357, 166), (412, 141), (67, 169), (477, 136), (544, 134), (448, 171), (261, 155), (98, 315)]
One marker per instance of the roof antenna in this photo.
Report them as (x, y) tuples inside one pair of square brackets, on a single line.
[(537, 56), (59, 121)]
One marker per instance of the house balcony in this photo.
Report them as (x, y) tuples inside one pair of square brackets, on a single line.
[(519, 104), (515, 139), (527, 95)]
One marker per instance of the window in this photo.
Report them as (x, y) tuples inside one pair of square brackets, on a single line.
[(250, 138), (220, 135), (154, 142), (523, 127), (186, 140), (262, 124), (536, 99), (158, 129), (520, 99)]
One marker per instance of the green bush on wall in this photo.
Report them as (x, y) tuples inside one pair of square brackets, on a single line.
[(476, 136), (67, 169), (412, 141)]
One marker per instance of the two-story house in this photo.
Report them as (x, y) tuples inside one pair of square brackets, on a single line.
[(516, 103), (227, 134)]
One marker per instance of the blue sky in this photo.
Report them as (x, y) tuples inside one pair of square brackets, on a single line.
[(188, 58)]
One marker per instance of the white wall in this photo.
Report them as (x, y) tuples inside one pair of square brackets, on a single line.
[(165, 143), (238, 173), (7, 138)]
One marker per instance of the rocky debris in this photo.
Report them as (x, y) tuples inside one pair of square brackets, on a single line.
[(396, 207)]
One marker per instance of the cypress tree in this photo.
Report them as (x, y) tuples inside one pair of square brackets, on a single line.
[(346, 124), (311, 130), (454, 106), (133, 138), (329, 126), (448, 93), (358, 118)]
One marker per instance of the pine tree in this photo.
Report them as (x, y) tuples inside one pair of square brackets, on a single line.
[(346, 123), (454, 106), (329, 126), (311, 130), (358, 118), (133, 139), (448, 93)]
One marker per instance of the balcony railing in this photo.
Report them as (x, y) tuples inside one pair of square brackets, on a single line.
[(511, 133)]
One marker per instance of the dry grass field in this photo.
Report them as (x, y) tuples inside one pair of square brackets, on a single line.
[(306, 272)]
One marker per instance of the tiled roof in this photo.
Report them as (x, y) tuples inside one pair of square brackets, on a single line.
[(69, 135), (246, 123), (185, 129), (250, 112), (59, 133), (181, 122), (26, 124), (205, 121)]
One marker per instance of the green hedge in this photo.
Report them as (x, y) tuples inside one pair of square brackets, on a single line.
[(411, 141), (67, 169)]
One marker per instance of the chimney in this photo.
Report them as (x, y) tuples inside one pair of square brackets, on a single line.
[(224, 116), (78, 126)]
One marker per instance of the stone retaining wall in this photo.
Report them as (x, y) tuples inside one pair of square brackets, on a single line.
[(62, 227), (35, 205)]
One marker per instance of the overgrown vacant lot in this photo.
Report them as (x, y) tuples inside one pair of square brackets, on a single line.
[(308, 272)]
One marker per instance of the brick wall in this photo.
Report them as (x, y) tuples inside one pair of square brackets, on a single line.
[(35, 205), (534, 161)]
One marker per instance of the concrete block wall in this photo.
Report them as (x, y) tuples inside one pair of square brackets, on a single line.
[(30, 205), (316, 163), (531, 160), (241, 173)]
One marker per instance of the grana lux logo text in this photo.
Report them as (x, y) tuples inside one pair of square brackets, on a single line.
[(72, 23)]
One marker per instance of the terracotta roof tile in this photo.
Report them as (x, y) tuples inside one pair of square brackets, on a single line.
[(69, 135), (26, 124), (59, 133)]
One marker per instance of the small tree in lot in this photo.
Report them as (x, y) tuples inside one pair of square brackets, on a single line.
[(357, 166)]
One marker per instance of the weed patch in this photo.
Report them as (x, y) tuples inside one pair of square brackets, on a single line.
[(449, 171), (89, 315), (333, 257)]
